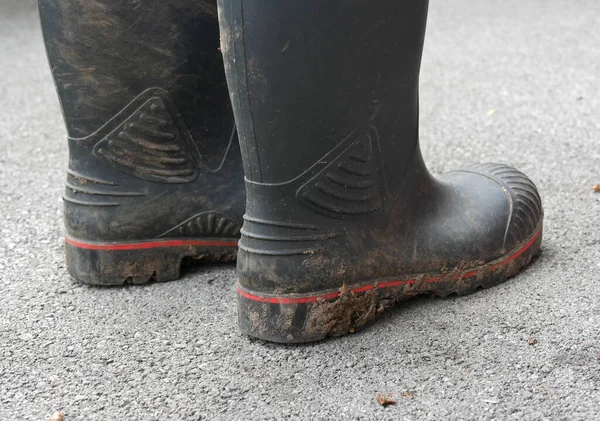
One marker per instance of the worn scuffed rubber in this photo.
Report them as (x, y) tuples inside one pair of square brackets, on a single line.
[(343, 219), (155, 172)]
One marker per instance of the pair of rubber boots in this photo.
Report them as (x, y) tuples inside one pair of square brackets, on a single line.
[(342, 218)]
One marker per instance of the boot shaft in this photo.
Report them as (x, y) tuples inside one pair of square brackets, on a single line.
[(106, 53), (304, 76)]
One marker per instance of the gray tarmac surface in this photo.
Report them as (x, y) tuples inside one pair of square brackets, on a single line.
[(508, 81)]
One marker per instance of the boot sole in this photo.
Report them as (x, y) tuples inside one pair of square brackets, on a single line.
[(140, 262), (296, 318)]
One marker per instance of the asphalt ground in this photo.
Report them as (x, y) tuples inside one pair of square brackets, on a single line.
[(506, 81)]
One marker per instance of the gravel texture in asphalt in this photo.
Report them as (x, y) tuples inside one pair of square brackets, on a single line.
[(507, 81)]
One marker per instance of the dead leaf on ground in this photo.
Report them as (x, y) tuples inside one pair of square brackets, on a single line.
[(57, 417), (408, 394), (385, 400), (596, 188), (532, 341)]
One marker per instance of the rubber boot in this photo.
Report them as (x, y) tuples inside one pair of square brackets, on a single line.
[(155, 172), (342, 217)]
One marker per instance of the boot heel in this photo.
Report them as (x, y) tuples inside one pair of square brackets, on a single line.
[(139, 263), (274, 321), (299, 318)]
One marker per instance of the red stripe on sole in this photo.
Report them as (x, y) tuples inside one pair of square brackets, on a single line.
[(388, 284), (287, 300), (149, 244)]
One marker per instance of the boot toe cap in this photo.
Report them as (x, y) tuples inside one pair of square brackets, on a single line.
[(526, 210)]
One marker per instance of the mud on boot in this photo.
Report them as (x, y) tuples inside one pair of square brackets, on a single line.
[(155, 171), (343, 219)]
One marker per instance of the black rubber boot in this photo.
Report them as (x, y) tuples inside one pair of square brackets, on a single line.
[(155, 172), (343, 219)]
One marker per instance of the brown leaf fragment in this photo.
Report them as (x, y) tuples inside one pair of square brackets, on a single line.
[(57, 417), (596, 188), (532, 341), (385, 400), (408, 394)]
